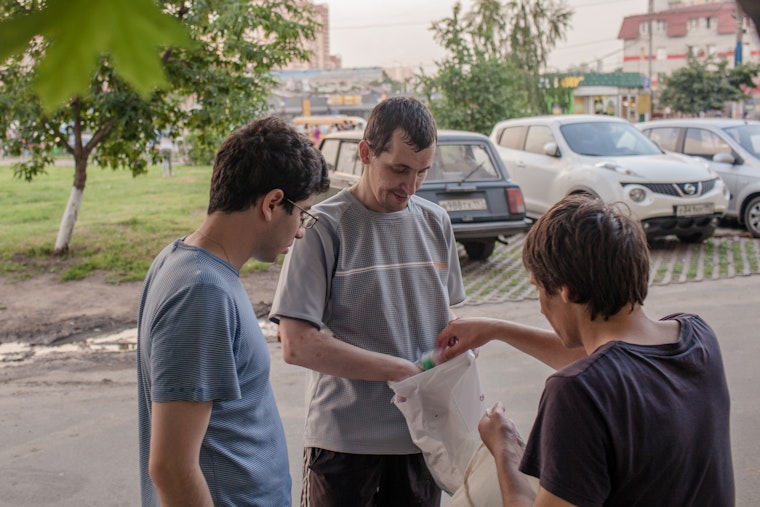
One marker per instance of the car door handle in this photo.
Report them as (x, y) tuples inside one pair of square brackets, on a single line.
[(520, 163)]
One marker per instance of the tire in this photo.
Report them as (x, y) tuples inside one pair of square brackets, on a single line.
[(479, 250), (752, 216), (696, 237)]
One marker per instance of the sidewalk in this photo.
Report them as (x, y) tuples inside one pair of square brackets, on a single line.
[(69, 436)]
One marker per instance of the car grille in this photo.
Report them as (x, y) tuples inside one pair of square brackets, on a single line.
[(690, 189)]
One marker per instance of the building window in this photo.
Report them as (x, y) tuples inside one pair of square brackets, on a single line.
[(709, 23)]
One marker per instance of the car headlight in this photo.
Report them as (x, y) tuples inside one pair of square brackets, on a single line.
[(637, 194)]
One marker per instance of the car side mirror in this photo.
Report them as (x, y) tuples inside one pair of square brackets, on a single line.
[(724, 158), (551, 149)]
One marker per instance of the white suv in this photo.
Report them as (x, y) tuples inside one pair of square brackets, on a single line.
[(554, 156)]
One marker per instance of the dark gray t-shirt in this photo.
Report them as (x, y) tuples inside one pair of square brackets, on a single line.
[(380, 281), (638, 426)]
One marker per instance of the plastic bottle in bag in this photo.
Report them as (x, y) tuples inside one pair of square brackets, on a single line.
[(429, 359)]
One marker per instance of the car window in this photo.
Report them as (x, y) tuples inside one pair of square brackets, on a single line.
[(512, 137), (460, 162), (703, 143), (607, 139), (329, 149), (666, 137), (748, 136), (538, 136), (348, 158)]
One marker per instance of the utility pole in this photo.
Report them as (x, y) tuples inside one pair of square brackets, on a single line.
[(738, 52), (739, 35), (651, 15), (649, 60)]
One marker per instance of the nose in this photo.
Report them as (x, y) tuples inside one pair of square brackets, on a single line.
[(412, 182), (301, 231)]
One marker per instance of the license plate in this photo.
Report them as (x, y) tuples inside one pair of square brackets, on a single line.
[(463, 204), (690, 210)]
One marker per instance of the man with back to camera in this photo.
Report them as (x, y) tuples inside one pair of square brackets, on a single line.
[(210, 431), (638, 412), (380, 271)]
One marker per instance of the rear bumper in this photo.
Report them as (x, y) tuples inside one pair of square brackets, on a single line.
[(486, 230)]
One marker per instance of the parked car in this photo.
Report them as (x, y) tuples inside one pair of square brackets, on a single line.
[(554, 156), (732, 149), (467, 179)]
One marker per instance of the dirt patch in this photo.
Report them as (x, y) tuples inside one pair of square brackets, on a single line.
[(44, 311)]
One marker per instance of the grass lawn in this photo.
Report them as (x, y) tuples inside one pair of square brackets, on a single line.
[(123, 223)]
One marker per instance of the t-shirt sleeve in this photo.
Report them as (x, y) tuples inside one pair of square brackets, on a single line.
[(455, 283), (567, 446), (192, 341), (303, 288)]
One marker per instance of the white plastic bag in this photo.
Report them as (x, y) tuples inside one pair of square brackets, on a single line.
[(442, 407)]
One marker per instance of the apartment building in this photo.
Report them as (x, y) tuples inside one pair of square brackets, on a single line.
[(683, 28), (320, 45)]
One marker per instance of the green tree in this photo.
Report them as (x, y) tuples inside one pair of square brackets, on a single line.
[(495, 54), (218, 81), (702, 86)]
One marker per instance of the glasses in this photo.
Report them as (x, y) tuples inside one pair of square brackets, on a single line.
[(307, 219)]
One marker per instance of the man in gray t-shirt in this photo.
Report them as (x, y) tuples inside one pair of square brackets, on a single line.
[(359, 300)]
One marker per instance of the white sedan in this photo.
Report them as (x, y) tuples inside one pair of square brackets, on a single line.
[(554, 156)]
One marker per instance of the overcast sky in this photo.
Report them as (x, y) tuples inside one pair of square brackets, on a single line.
[(395, 32)]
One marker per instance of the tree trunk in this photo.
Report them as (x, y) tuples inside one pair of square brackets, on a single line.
[(66, 230)]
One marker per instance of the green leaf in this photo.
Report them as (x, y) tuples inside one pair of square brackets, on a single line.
[(130, 32)]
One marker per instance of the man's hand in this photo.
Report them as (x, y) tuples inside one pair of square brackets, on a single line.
[(501, 437), (500, 434), (462, 335)]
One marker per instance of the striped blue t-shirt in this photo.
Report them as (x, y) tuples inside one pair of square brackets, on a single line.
[(199, 340)]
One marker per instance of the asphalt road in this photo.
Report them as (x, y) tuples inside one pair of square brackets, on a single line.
[(69, 434)]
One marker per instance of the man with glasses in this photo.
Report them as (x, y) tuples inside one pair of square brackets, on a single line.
[(210, 432), (360, 299)]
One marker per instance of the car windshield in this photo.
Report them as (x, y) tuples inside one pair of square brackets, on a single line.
[(748, 136), (607, 139), (462, 162)]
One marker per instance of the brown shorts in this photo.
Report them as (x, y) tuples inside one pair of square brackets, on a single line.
[(335, 479)]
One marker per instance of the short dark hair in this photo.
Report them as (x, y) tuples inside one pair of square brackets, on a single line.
[(262, 156), (405, 113), (596, 250)]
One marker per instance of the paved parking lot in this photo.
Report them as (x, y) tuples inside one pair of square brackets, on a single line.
[(729, 254)]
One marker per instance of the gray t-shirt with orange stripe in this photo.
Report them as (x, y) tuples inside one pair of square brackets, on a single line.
[(383, 282)]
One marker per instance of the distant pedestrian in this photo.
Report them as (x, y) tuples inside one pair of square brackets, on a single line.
[(165, 149)]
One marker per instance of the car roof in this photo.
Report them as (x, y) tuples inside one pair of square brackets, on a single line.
[(707, 122), (561, 119), (443, 135)]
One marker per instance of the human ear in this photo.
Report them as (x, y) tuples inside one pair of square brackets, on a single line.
[(564, 292), (364, 152), (270, 201)]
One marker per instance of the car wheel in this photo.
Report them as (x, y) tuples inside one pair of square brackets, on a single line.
[(479, 250), (696, 237), (752, 216)]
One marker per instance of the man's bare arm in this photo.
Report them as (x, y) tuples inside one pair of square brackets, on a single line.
[(177, 431), (305, 345), (470, 333)]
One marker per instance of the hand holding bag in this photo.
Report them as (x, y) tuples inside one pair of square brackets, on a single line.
[(442, 407)]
